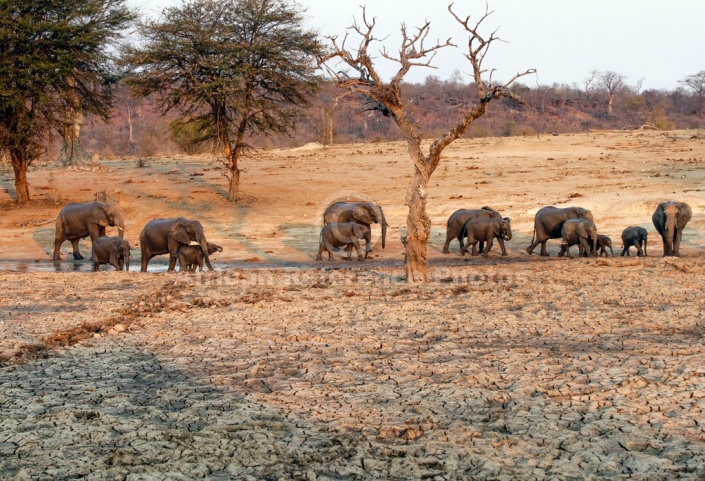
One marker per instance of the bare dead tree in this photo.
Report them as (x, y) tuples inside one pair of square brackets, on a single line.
[(612, 83), (387, 96), (590, 80), (329, 110)]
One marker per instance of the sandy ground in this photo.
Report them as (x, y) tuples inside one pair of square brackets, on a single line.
[(276, 366)]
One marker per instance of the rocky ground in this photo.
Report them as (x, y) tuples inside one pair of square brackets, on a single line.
[(278, 367)]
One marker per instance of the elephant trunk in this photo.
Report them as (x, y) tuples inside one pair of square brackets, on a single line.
[(507, 234), (382, 222), (670, 234), (127, 261), (204, 246), (120, 224)]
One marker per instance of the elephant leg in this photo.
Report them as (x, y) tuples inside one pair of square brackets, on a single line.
[(611, 252), (145, 260), (481, 247), (57, 248), (172, 263), (446, 245), (561, 252), (544, 252), (356, 243), (96, 266), (586, 247), (463, 250), (319, 256), (329, 248), (487, 247), (639, 252), (76, 254), (530, 249), (114, 262)]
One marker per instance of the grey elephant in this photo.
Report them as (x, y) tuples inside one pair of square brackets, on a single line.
[(343, 234), (111, 250), (602, 243), (548, 224), (582, 232), (458, 219), (363, 213), (669, 219), (78, 220), (637, 237), (486, 229), (166, 236), (191, 256)]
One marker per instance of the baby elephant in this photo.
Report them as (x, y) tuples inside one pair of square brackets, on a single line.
[(111, 250), (344, 234), (581, 232), (486, 229), (602, 242), (191, 256), (637, 237)]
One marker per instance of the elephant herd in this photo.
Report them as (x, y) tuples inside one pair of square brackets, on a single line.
[(573, 225), (347, 224), (159, 236)]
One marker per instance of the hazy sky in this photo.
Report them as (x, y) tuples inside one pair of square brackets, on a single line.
[(661, 41)]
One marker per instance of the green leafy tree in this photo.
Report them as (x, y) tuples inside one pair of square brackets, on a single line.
[(232, 68), (55, 61)]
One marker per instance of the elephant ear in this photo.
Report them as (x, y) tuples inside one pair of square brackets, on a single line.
[(179, 234), (99, 216), (496, 228), (362, 214), (582, 230)]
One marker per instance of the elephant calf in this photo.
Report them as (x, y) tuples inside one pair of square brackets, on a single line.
[(637, 237), (602, 242), (581, 232), (344, 234), (191, 256), (111, 250), (486, 229)]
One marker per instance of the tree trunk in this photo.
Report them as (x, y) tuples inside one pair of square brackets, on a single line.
[(233, 172), (329, 129), (328, 113), (73, 153), (19, 165), (419, 228), (234, 179)]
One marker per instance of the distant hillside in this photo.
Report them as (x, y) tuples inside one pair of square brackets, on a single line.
[(138, 130)]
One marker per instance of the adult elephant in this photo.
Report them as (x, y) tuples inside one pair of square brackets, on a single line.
[(669, 219), (363, 213), (548, 224), (458, 219), (78, 220), (165, 236)]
